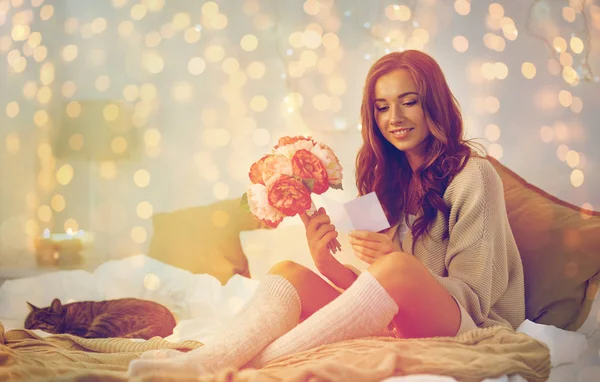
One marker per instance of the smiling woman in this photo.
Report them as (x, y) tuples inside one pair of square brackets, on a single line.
[(456, 268), (445, 203), (399, 114), (404, 91)]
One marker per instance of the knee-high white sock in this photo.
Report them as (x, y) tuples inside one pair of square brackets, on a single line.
[(272, 311), (364, 309)]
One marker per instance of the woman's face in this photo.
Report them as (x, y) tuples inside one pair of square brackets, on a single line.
[(399, 114)]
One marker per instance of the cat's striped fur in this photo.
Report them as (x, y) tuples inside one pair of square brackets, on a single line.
[(127, 317)]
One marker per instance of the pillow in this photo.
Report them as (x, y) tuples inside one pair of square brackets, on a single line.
[(265, 248), (591, 326), (560, 251), (203, 239)]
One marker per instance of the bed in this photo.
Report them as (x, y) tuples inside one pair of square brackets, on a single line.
[(204, 273), (203, 305)]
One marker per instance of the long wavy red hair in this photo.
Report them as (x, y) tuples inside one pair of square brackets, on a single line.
[(382, 168)]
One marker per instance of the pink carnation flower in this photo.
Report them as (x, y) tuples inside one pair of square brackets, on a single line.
[(275, 165)]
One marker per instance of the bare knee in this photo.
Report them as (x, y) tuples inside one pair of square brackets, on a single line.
[(314, 292), (400, 266), (425, 307), (288, 269), (401, 274)]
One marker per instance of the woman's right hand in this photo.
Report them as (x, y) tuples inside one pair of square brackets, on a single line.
[(319, 232)]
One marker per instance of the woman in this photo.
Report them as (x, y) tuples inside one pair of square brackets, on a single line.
[(450, 263)]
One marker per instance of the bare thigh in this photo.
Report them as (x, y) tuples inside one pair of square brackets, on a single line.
[(314, 292), (425, 308)]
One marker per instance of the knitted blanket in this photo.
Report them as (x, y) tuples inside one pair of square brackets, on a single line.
[(472, 356)]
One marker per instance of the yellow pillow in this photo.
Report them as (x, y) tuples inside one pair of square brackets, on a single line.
[(203, 239), (560, 251)]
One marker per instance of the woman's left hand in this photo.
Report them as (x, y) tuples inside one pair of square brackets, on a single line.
[(370, 246)]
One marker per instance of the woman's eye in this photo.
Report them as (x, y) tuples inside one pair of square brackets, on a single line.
[(410, 103), (382, 108)]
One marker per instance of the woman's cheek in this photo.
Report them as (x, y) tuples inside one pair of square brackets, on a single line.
[(382, 123)]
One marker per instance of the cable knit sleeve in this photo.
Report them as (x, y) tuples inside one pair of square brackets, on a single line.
[(476, 259)]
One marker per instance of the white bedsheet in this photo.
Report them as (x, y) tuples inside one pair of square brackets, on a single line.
[(199, 302), (202, 306)]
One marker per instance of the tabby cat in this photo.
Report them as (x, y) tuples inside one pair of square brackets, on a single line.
[(126, 317)]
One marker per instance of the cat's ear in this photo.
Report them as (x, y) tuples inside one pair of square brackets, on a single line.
[(56, 306), (32, 308)]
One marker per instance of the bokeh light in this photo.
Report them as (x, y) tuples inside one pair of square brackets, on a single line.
[(565, 98), (141, 178), (577, 178), (259, 103), (12, 109), (460, 43), (249, 42), (144, 210), (492, 132), (560, 45), (528, 69), (139, 235), (569, 14), (108, 170), (462, 7), (71, 225), (576, 45), (65, 174)]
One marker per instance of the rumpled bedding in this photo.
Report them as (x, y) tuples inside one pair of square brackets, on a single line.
[(472, 356), (203, 307)]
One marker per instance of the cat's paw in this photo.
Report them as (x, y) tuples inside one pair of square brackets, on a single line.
[(161, 354)]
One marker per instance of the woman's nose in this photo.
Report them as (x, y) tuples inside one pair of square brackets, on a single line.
[(397, 116)]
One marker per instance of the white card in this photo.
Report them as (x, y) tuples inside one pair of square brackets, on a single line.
[(366, 213), (334, 205)]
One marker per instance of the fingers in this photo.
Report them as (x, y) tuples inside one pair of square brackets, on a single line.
[(374, 242), (326, 239), (320, 230), (375, 245), (337, 245), (305, 219), (363, 255), (323, 230), (366, 251), (315, 223), (330, 236), (366, 235)]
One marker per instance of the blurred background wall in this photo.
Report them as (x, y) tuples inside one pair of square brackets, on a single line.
[(111, 111)]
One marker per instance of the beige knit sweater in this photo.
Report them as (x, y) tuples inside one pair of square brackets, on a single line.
[(479, 264)]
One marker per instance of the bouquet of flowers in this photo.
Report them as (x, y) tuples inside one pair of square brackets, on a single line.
[(283, 181)]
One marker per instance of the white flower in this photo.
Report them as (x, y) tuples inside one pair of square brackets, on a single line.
[(258, 202), (330, 161), (289, 150)]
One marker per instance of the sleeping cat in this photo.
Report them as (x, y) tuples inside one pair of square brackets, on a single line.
[(126, 317)]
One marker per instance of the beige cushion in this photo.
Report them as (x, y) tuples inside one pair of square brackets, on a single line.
[(560, 250), (203, 239)]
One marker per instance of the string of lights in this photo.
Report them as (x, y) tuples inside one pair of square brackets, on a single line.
[(584, 70)]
